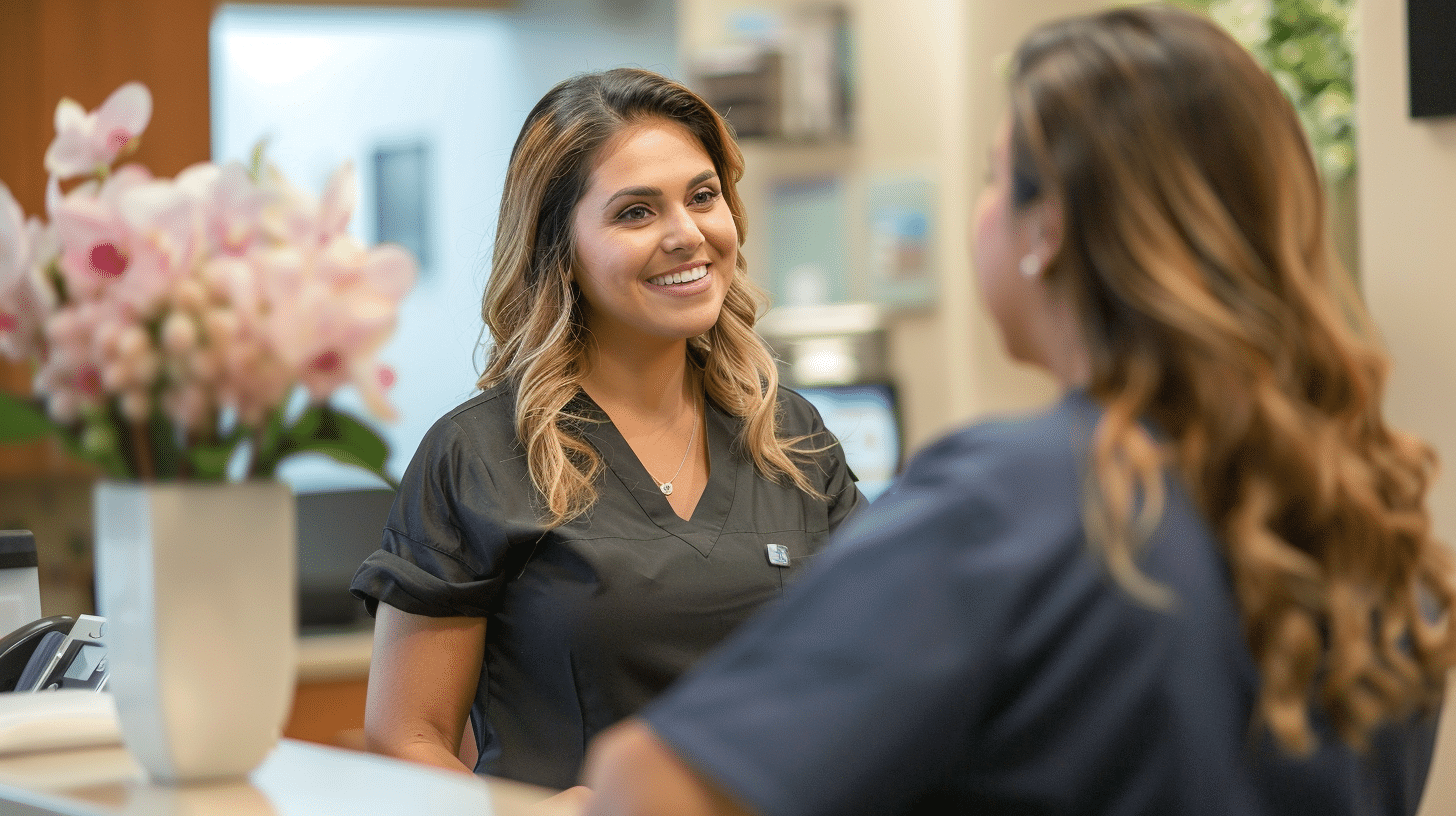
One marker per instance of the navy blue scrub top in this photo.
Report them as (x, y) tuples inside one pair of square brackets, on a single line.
[(961, 649), (588, 621)]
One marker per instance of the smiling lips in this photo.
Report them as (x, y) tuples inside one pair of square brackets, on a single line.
[(684, 276)]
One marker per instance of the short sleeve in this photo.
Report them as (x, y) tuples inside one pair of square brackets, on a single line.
[(851, 689), (461, 526)]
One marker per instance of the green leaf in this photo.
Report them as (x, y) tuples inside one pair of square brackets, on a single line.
[(346, 440), (270, 444), (321, 429), (210, 461), (23, 420), (168, 458)]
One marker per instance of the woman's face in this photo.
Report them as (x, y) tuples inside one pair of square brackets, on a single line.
[(1001, 239), (656, 246)]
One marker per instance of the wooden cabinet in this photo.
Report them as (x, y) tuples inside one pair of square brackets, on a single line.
[(333, 677), (85, 49), (330, 712)]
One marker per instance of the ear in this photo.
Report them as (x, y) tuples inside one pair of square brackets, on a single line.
[(1047, 221)]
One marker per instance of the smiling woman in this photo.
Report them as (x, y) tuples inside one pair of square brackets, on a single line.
[(655, 241), (630, 484)]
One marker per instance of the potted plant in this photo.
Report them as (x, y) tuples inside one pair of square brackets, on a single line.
[(186, 335)]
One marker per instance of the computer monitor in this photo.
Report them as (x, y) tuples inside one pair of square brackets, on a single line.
[(866, 419), (337, 530)]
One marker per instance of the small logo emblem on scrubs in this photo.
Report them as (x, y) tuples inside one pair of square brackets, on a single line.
[(778, 555)]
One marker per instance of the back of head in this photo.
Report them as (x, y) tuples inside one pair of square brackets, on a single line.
[(1196, 258)]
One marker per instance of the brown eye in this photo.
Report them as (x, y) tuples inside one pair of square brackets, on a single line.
[(636, 212)]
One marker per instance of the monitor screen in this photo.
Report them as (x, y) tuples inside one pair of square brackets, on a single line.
[(337, 530), (866, 420)]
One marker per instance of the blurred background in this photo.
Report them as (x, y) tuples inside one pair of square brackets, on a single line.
[(865, 125)]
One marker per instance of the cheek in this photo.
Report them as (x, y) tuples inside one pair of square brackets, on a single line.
[(721, 232), (987, 240), (983, 225)]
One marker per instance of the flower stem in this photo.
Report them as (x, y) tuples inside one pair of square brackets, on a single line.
[(142, 449)]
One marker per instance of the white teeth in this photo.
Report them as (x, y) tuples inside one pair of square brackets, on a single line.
[(680, 277)]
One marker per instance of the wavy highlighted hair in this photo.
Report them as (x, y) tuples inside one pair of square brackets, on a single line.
[(532, 308), (1195, 254)]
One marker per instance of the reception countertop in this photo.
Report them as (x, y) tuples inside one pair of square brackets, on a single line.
[(297, 779), (340, 656)]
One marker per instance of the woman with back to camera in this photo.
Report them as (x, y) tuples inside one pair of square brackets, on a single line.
[(630, 484), (1204, 582)]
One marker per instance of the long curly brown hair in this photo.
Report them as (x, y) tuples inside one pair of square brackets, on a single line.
[(1196, 255), (532, 308)]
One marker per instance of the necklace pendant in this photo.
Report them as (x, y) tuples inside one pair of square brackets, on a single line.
[(666, 488)]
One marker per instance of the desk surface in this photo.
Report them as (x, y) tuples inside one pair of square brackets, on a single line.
[(297, 779)]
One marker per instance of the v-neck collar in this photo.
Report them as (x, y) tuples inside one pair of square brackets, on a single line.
[(701, 531)]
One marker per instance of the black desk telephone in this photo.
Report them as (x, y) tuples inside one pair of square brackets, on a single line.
[(55, 653)]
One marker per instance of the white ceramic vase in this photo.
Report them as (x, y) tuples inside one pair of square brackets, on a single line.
[(197, 584)]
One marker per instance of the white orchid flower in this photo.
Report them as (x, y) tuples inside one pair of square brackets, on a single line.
[(86, 142)]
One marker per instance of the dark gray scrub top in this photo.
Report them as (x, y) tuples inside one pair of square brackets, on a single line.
[(588, 621), (959, 648)]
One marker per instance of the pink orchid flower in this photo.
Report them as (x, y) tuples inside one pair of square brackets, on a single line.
[(97, 245), (231, 207), (212, 298), (290, 215), (337, 205), (87, 142), (161, 220), (25, 299), (341, 310)]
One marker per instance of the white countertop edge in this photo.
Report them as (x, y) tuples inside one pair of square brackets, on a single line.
[(343, 656)]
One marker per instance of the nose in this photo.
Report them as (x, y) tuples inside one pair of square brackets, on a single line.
[(681, 231)]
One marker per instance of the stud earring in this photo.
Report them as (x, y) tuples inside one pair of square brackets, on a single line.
[(1030, 265)]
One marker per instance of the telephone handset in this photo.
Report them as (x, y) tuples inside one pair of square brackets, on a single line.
[(62, 654), (79, 662), (19, 646)]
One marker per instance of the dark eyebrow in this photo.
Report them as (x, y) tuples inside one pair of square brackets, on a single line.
[(648, 192), (636, 192)]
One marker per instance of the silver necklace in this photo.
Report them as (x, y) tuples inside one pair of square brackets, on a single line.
[(666, 487)]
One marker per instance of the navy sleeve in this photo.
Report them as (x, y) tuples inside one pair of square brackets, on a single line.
[(845, 697)]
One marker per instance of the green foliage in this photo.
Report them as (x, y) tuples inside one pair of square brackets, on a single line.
[(317, 429), (22, 421)]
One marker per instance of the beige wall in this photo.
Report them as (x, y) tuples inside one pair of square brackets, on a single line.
[(1408, 247), (928, 99)]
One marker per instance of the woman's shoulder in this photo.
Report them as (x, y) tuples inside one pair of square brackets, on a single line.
[(493, 402), (1009, 461), (485, 418), (1060, 430), (796, 413)]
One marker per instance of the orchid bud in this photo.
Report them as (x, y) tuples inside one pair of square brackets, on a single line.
[(145, 367), (132, 341), (179, 333), (62, 405), (98, 439), (220, 325), (136, 405), (189, 296), (115, 375)]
